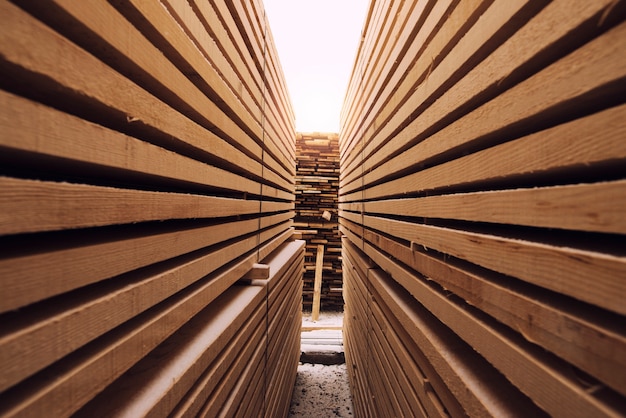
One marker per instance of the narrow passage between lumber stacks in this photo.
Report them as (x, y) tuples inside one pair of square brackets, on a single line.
[(322, 387)]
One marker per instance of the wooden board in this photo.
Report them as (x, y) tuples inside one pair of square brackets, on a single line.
[(144, 176), (316, 197), (482, 190)]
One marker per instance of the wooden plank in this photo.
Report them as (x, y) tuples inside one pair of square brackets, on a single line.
[(424, 40), (78, 320), (235, 385), (99, 85), (580, 207), (521, 362), (378, 14), (461, 368), (436, 383), (562, 269), (468, 49), (157, 382), (127, 41), (250, 26), (573, 146), (63, 136), (77, 379), (590, 68), (199, 45), (319, 260), (95, 257), (589, 342), (430, 404), (242, 346), (258, 271), (35, 206)]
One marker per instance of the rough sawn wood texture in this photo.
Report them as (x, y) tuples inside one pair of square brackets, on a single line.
[(147, 164), (482, 199)]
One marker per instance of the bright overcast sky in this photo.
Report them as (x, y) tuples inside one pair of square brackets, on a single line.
[(317, 42)]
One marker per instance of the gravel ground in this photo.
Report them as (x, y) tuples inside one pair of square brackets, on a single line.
[(321, 391)]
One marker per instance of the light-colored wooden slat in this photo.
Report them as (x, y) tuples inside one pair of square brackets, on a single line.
[(280, 364), (201, 52), (595, 207), (231, 42), (129, 42), (283, 337), (355, 100), (562, 269), (235, 384), (34, 206), (157, 382), (428, 41), (429, 402), (592, 67), (186, 15), (284, 120), (242, 346), (396, 392), (80, 377), (34, 128), (78, 380), (80, 321), (317, 288), (447, 383), (248, 25), (100, 84), (356, 74), (280, 117), (237, 57), (279, 262), (390, 118), (520, 362), (258, 271), (97, 259), (592, 345), (526, 44), (585, 142)]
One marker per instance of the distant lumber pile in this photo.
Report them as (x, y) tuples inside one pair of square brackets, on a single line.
[(482, 198), (147, 165), (317, 185)]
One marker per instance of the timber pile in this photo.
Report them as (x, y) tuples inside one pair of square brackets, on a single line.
[(482, 199), (317, 185), (147, 165)]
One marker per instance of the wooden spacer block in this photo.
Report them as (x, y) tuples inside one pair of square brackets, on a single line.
[(258, 271)]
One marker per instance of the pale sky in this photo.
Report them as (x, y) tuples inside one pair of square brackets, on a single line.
[(317, 41)]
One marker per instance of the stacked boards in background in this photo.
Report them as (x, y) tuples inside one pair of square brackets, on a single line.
[(482, 196), (147, 158), (317, 185)]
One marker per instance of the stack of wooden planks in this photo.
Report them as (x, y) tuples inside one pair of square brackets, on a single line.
[(482, 199), (147, 178), (317, 185)]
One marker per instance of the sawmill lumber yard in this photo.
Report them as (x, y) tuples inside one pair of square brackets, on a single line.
[(163, 225)]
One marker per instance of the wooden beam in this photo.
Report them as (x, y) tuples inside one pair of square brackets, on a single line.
[(579, 207), (35, 206), (514, 257), (317, 290), (258, 271)]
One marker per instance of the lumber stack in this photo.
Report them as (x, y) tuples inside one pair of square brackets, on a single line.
[(482, 198), (147, 165), (317, 185)]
